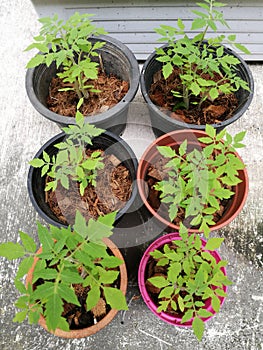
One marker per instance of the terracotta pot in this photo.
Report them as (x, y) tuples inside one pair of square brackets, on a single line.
[(176, 321), (162, 123), (174, 139), (85, 332)]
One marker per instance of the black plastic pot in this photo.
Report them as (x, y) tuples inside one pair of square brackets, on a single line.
[(117, 59), (111, 144), (162, 123)]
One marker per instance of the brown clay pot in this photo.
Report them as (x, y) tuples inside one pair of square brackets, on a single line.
[(174, 139), (85, 332)]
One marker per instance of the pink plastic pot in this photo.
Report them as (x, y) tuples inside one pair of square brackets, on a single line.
[(176, 321)]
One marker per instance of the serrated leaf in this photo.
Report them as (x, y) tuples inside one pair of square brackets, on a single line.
[(108, 277), (159, 281), (11, 250), (215, 303), (198, 328), (167, 70), (37, 163), (204, 313), (180, 301), (80, 225), (33, 317), (24, 267), (213, 243), (111, 262), (187, 316), (166, 151), (45, 238), (115, 298), (206, 140), (68, 294), (54, 309), (36, 61), (28, 242), (68, 276), (46, 274), (22, 302), (20, 316), (20, 286), (240, 136), (93, 297), (166, 292), (163, 305)]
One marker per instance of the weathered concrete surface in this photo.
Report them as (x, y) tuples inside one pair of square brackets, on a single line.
[(22, 131)]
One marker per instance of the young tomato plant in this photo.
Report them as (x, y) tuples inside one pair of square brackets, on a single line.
[(68, 257), (72, 161), (198, 180), (67, 44), (199, 57), (193, 276)]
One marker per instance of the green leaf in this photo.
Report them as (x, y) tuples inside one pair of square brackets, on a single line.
[(213, 243), (240, 136), (67, 293), (35, 61), (54, 309), (28, 242), (181, 303), (80, 225), (220, 292), (204, 313), (198, 328), (206, 140), (183, 148), (211, 132), (187, 316), (46, 274), (167, 70), (195, 88), (115, 298), (159, 281), (22, 302), (11, 250), (166, 151), (46, 157), (93, 297), (37, 163), (166, 292), (20, 316), (68, 276), (107, 277), (45, 238), (33, 317), (215, 303), (24, 267), (111, 262)]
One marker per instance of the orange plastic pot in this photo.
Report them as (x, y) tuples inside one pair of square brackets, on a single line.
[(85, 332), (174, 139)]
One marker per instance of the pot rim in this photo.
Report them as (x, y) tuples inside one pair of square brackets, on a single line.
[(175, 137), (159, 242)]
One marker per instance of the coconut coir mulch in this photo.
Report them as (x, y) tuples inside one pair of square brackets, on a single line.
[(112, 90), (158, 172), (211, 112), (113, 190)]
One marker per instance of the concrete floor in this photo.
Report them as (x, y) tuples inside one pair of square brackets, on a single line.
[(22, 131)]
